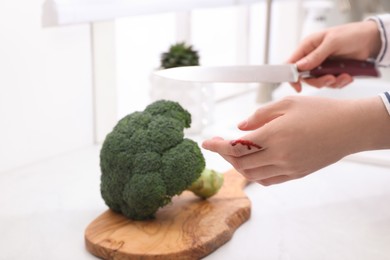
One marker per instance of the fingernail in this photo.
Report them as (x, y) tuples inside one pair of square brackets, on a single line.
[(243, 124)]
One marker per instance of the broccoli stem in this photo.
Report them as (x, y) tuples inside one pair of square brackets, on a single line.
[(207, 184)]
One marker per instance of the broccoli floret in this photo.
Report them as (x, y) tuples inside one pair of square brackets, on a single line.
[(146, 160)]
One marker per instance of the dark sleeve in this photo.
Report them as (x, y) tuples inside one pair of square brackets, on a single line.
[(386, 100)]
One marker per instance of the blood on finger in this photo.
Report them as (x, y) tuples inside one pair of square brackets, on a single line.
[(247, 143)]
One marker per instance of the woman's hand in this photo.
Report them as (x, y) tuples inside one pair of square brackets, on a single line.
[(299, 135), (360, 40)]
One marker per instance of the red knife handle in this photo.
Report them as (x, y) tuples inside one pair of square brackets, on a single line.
[(355, 68)]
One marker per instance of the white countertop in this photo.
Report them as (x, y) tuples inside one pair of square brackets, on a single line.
[(340, 212)]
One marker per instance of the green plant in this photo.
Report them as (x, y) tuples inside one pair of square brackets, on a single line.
[(179, 55), (146, 160)]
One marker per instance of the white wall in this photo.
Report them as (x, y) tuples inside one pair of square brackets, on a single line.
[(45, 86), (139, 40), (214, 33)]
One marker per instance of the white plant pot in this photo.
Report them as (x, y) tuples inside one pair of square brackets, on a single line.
[(196, 98)]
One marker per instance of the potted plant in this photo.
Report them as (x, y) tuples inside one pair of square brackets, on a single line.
[(197, 98), (179, 55)]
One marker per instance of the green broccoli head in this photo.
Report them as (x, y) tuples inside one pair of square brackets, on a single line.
[(146, 160)]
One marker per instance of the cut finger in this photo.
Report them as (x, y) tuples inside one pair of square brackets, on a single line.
[(236, 148)]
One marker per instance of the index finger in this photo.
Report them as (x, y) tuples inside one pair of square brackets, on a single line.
[(235, 148)]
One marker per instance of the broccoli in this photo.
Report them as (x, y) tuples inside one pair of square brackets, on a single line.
[(146, 160)]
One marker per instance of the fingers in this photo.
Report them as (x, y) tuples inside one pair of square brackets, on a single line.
[(311, 52), (314, 50), (330, 81), (236, 148), (260, 173), (325, 81), (255, 168), (254, 165), (320, 82), (342, 80), (263, 174), (313, 59)]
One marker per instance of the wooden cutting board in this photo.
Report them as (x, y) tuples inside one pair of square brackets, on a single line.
[(188, 228)]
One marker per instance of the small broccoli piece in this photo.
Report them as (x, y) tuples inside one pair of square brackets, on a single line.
[(208, 184), (146, 160)]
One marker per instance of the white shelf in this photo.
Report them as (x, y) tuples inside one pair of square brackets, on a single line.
[(65, 12)]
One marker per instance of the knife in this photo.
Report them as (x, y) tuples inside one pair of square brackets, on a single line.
[(268, 73)]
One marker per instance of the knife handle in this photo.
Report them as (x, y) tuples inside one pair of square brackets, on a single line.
[(355, 68)]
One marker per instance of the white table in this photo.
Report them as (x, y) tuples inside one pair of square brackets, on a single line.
[(341, 212)]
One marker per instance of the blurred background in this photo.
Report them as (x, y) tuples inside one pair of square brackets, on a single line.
[(70, 69)]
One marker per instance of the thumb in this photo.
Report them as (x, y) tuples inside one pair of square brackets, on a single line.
[(261, 117)]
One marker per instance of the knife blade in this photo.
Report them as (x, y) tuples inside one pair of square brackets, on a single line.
[(268, 73)]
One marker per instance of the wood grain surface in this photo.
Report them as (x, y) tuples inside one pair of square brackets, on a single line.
[(188, 228)]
